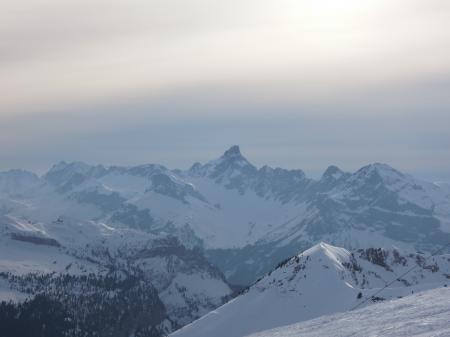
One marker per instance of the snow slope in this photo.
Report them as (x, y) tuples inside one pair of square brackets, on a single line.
[(424, 314), (320, 281)]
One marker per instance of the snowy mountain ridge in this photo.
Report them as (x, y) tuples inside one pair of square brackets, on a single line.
[(245, 218), (320, 281)]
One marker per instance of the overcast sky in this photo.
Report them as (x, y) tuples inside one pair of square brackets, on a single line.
[(297, 83)]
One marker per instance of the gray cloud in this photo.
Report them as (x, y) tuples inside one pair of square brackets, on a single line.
[(297, 83), (56, 53)]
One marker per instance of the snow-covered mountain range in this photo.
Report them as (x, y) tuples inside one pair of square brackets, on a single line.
[(194, 233), (245, 219), (321, 281)]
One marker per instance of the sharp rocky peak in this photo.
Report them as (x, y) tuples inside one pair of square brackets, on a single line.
[(233, 157), (232, 152)]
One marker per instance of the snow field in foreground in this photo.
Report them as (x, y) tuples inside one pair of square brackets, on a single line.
[(424, 314)]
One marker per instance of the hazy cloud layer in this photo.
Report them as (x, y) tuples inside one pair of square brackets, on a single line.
[(298, 83)]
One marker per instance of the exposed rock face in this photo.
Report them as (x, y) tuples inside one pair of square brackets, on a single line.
[(35, 240)]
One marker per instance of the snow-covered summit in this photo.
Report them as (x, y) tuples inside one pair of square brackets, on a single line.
[(319, 281), (326, 252), (231, 164)]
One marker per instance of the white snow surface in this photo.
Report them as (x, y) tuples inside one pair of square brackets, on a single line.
[(320, 281), (424, 314)]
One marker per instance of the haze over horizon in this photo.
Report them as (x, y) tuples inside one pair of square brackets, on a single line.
[(309, 173), (297, 84)]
